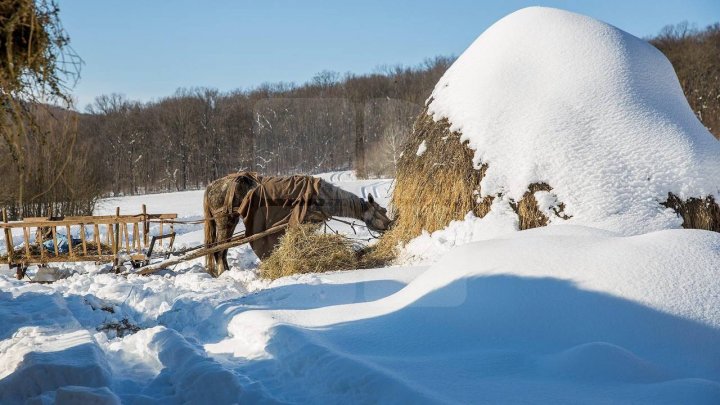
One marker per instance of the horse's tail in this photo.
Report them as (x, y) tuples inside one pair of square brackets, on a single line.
[(209, 233)]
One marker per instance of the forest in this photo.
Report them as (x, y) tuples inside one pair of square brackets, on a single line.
[(117, 146)]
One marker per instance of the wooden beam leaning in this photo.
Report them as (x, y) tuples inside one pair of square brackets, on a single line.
[(208, 250)]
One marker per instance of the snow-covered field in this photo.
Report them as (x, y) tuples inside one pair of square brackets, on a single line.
[(561, 314), (617, 305)]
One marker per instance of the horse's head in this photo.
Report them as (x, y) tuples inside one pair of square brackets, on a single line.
[(375, 216)]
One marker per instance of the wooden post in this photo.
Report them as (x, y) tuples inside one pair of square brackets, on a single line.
[(161, 232), (8, 239), (113, 247), (127, 236), (96, 235), (116, 241), (146, 226), (26, 239), (55, 242), (40, 243), (71, 253), (82, 237), (205, 251), (136, 236)]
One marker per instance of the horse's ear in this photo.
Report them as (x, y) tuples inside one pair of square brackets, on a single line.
[(371, 199)]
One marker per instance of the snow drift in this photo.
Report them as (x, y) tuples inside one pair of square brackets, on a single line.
[(533, 317)]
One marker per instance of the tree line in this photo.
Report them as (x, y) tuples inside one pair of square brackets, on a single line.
[(119, 146), (196, 135)]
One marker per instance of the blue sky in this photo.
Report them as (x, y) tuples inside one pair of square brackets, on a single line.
[(146, 49)]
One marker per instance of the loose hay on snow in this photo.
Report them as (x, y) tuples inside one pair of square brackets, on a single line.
[(303, 249)]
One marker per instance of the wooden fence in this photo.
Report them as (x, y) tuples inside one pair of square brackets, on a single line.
[(123, 233)]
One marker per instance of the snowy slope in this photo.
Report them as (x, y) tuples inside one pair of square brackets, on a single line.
[(556, 315), (546, 95)]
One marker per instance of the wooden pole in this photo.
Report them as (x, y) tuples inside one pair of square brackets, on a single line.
[(71, 253), (55, 242), (116, 242), (127, 236), (146, 226), (82, 237), (8, 239), (96, 235), (40, 243), (26, 239), (206, 251), (136, 236)]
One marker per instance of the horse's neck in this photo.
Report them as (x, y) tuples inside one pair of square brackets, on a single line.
[(340, 203)]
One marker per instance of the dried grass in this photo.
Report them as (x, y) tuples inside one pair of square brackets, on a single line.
[(437, 187), (303, 249), (434, 188), (697, 213), (20, 254)]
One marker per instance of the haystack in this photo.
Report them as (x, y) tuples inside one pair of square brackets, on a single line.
[(565, 119)]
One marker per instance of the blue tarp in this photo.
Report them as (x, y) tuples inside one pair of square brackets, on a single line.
[(63, 245)]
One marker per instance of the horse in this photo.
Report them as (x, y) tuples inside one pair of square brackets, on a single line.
[(221, 198), (263, 201)]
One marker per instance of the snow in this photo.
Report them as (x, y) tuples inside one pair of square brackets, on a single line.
[(546, 95), (478, 312), (421, 148), (539, 319)]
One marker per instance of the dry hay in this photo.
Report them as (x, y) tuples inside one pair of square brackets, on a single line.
[(442, 185), (19, 254), (303, 249), (697, 213)]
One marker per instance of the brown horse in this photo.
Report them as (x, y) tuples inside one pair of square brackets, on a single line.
[(224, 197)]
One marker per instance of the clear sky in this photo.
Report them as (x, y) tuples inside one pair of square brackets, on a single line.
[(146, 49)]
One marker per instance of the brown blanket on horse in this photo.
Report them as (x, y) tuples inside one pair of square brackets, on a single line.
[(280, 200)]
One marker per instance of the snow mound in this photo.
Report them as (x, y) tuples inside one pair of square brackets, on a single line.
[(567, 314), (546, 95)]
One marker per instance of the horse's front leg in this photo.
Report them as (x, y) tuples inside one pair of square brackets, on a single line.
[(230, 230)]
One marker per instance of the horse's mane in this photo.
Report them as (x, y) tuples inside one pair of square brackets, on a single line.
[(334, 201)]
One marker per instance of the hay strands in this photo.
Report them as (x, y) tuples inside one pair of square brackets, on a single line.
[(208, 250)]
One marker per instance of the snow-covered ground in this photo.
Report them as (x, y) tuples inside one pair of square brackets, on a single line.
[(561, 314), (477, 313)]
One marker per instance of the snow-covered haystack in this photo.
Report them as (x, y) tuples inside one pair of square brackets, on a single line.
[(561, 118)]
